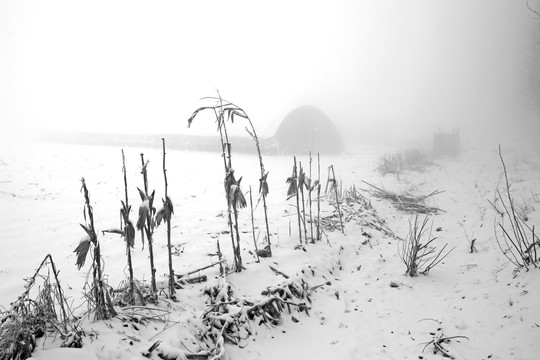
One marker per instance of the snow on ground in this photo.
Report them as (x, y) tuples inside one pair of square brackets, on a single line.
[(359, 315)]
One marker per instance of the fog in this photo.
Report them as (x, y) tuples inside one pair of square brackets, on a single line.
[(389, 70)]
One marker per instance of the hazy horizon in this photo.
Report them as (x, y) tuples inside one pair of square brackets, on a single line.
[(403, 69)]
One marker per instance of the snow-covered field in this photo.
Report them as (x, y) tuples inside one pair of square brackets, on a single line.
[(359, 315)]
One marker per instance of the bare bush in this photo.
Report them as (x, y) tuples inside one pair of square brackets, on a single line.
[(417, 250), (516, 239), (395, 164)]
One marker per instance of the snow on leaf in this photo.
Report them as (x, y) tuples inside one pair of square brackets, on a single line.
[(144, 210), (82, 251), (114, 231), (129, 234), (291, 191), (160, 216), (142, 194)]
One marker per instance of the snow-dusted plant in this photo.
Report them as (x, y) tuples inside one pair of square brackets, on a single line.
[(99, 295), (127, 231), (223, 111), (417, 250), (146, 222), (165, 214), (516, 239)]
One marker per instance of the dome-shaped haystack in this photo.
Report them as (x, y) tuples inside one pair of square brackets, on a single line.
[(305, 129)]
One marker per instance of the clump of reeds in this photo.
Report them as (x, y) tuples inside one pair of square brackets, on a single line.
[(418, 252), (516, 239), (98, 297)]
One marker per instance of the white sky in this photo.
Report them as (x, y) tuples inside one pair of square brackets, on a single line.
[(132, 66)]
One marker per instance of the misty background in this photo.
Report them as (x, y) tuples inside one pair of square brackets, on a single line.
[(390, 70)]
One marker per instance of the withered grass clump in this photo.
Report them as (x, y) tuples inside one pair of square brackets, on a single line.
[(396, 163), (417, 250), (406, 202), (40, 310)]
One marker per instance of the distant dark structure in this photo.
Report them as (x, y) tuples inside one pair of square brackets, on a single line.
[(305, 129), (446, 144)]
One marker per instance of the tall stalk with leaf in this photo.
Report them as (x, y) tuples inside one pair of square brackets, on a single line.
[(127, 231), (303, 182), (165, 214), (100, 296), (292, 191), (146, 223), (223, 111)]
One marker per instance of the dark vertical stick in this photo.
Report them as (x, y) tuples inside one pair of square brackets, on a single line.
[(128, 246), (103, 311), (219, 258), (295, 177), (253, 225), (167, 218), (237, 250), (309, 194), (263, 184), (301, 182), (319, 197), (227, 162), (60, 292), (337, 199)]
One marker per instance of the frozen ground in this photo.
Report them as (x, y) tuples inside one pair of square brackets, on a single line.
[(359, 316)]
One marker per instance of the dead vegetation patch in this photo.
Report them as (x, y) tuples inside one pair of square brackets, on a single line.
[(406, 202)]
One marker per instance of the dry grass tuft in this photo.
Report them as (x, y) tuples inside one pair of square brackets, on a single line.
[(417, 251)]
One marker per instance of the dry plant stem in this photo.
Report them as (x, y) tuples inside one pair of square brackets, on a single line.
[(128, 247), (318, 197), (337, 199), (224, 110), (520, 241), (227, 162), (253, 225), (221, 271), (60, 291), (253, 134), (237, 250), (149, 232), (301, 188), (228, 172), (295, 176), (103, 310), (310, 202), (167, 219)]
